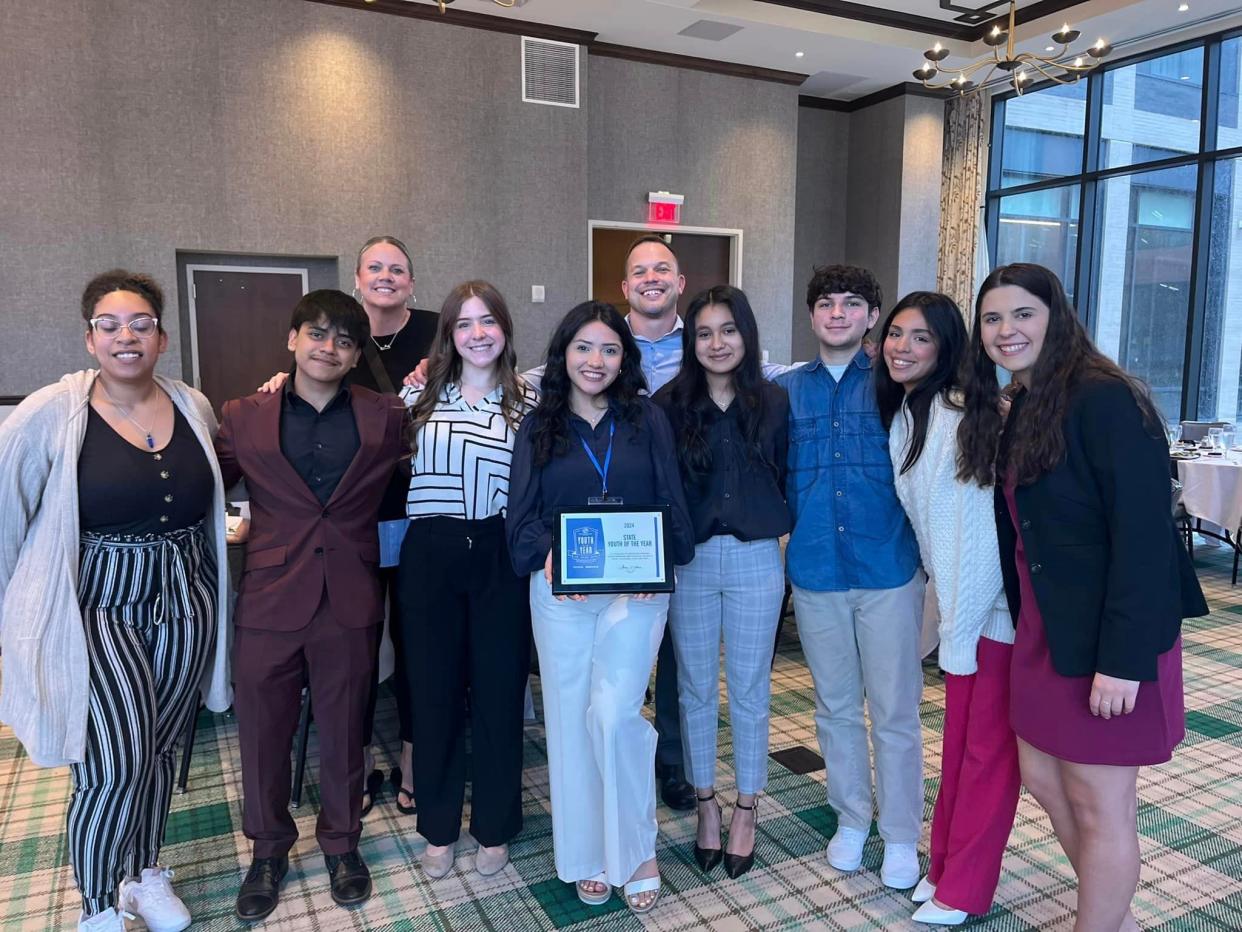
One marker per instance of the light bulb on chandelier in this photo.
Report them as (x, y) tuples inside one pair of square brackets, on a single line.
[(1021, 66)]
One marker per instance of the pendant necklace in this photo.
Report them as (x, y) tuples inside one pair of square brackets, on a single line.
[(129, 417), (393, 337)]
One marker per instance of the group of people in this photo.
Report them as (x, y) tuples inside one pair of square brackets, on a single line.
[(1039, 514)]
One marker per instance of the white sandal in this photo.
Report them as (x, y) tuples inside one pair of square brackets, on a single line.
[(636, 888), (594, 899)]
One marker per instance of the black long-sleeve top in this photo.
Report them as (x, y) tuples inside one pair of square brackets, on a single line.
[(319, 445), (742, 495), (643, 472)]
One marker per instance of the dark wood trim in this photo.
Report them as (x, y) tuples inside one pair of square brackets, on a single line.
[(823, 103), (468, 18), (894, 19), (11, 399), (712, 65), (911, 88)]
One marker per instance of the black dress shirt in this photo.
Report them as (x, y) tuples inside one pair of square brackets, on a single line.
[(643, 472), (319, 445), (743, 494)]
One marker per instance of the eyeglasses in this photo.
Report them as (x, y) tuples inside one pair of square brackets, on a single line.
[(140, 326)]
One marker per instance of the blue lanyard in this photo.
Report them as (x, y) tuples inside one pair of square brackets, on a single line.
[(603, 471)]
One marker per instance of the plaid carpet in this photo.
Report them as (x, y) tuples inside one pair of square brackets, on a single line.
[(1189, 820)]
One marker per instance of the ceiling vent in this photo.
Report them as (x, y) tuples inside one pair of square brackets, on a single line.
[(710, 30), (549, 72)]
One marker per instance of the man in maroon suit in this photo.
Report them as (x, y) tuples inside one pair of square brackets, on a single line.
[(316, 458)]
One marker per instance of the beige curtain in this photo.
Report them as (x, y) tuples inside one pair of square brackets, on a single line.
[(961, 190)]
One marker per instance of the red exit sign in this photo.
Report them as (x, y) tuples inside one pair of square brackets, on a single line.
[(663, 207)]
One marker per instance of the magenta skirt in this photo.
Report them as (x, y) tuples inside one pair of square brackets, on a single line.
[(1050, 712)]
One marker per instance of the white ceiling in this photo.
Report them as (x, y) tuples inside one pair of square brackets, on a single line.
[(844, 58)]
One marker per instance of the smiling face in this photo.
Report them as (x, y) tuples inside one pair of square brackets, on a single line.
[(124, 355), (1013, 324), (840, 321), (477, 335), (383, 278), (652, 282), (323, 354), (593, 358), (718, 343), (910, 349)]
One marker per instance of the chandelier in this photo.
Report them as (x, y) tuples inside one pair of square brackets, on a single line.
[(1021, 66)]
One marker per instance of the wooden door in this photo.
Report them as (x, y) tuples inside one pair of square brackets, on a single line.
[(241, 325)]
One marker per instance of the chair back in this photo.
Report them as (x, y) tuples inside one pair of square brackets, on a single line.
[(1194, 431)]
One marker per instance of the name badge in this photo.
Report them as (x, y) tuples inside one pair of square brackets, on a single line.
[(605, 500)]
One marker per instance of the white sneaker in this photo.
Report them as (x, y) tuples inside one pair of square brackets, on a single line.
[(110, 920), (846, 848), (900, 868), (153, 899)]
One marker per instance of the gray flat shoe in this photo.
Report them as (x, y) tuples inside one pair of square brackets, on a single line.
[(493, 861), (436, 866)]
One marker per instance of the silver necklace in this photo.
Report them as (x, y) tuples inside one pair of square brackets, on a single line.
[(393, 338), (129, 417)]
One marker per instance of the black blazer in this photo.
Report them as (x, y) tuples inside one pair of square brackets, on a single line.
[(1110, 574)]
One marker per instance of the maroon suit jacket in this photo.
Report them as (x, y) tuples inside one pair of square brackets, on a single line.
[(296, 545)]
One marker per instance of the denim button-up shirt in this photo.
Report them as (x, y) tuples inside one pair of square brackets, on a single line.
[(850, 531)]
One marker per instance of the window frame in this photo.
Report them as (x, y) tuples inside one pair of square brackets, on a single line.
[(1090, 178)]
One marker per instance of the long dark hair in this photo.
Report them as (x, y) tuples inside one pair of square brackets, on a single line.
[(551, 430), (1067, 358), (689, 390), (444, 362), (948, 331)]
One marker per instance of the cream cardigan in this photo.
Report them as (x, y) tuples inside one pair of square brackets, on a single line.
[(955, 524), (44, 695)]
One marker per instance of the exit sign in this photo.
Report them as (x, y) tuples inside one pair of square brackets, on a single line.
[(663, 207)]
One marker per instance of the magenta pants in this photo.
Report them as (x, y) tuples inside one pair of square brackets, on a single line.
[(979, 784)]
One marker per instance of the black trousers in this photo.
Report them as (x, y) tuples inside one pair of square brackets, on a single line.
[(667, 710), (466, 626)]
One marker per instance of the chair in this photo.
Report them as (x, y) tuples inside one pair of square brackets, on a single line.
[(1194, 431)]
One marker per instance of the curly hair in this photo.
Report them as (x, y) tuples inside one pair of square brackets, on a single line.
[(1067, 358), (843, 279), (948, 330), (688, 389), (123, 280), (551, 432)]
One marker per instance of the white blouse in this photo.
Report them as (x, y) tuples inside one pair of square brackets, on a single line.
[(461, 469)]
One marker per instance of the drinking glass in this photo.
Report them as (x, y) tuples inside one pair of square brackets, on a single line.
[(1175, 434), (1214, 439)]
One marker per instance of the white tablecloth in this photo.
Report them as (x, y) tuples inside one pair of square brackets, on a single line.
[(1213, 489)]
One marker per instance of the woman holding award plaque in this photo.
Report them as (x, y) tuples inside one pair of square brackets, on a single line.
[(732, 431), (463, 618), (598, 448)]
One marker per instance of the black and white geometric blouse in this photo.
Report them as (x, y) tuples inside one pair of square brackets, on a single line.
[(461, 469)]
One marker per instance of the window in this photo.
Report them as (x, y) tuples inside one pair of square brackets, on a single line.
[(1151, 104), (1220, 383), (1154, 261)]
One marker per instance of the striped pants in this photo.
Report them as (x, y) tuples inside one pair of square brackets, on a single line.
[(149, 611), (732, 588)]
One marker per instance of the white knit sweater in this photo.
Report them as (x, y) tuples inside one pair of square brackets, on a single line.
[(44, 695), (955, 524)]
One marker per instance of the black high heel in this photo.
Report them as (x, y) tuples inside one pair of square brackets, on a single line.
[(707, 858), (737, 864)]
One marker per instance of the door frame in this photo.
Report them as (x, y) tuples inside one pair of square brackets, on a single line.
[(734, 237), (190, 293)]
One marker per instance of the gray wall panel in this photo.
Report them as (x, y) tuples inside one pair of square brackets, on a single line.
[(728, 144)]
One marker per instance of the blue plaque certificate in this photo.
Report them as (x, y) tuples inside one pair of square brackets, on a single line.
[(608, 548)]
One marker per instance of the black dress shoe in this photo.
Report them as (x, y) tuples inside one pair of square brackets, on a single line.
[(351, 881), (738, 864), (260, 891), (707, 858), (674, 790)]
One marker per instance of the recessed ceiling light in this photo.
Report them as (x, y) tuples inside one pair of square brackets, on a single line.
[(799, 54), (1183, 7), (1050, 48), (1185, 77)]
